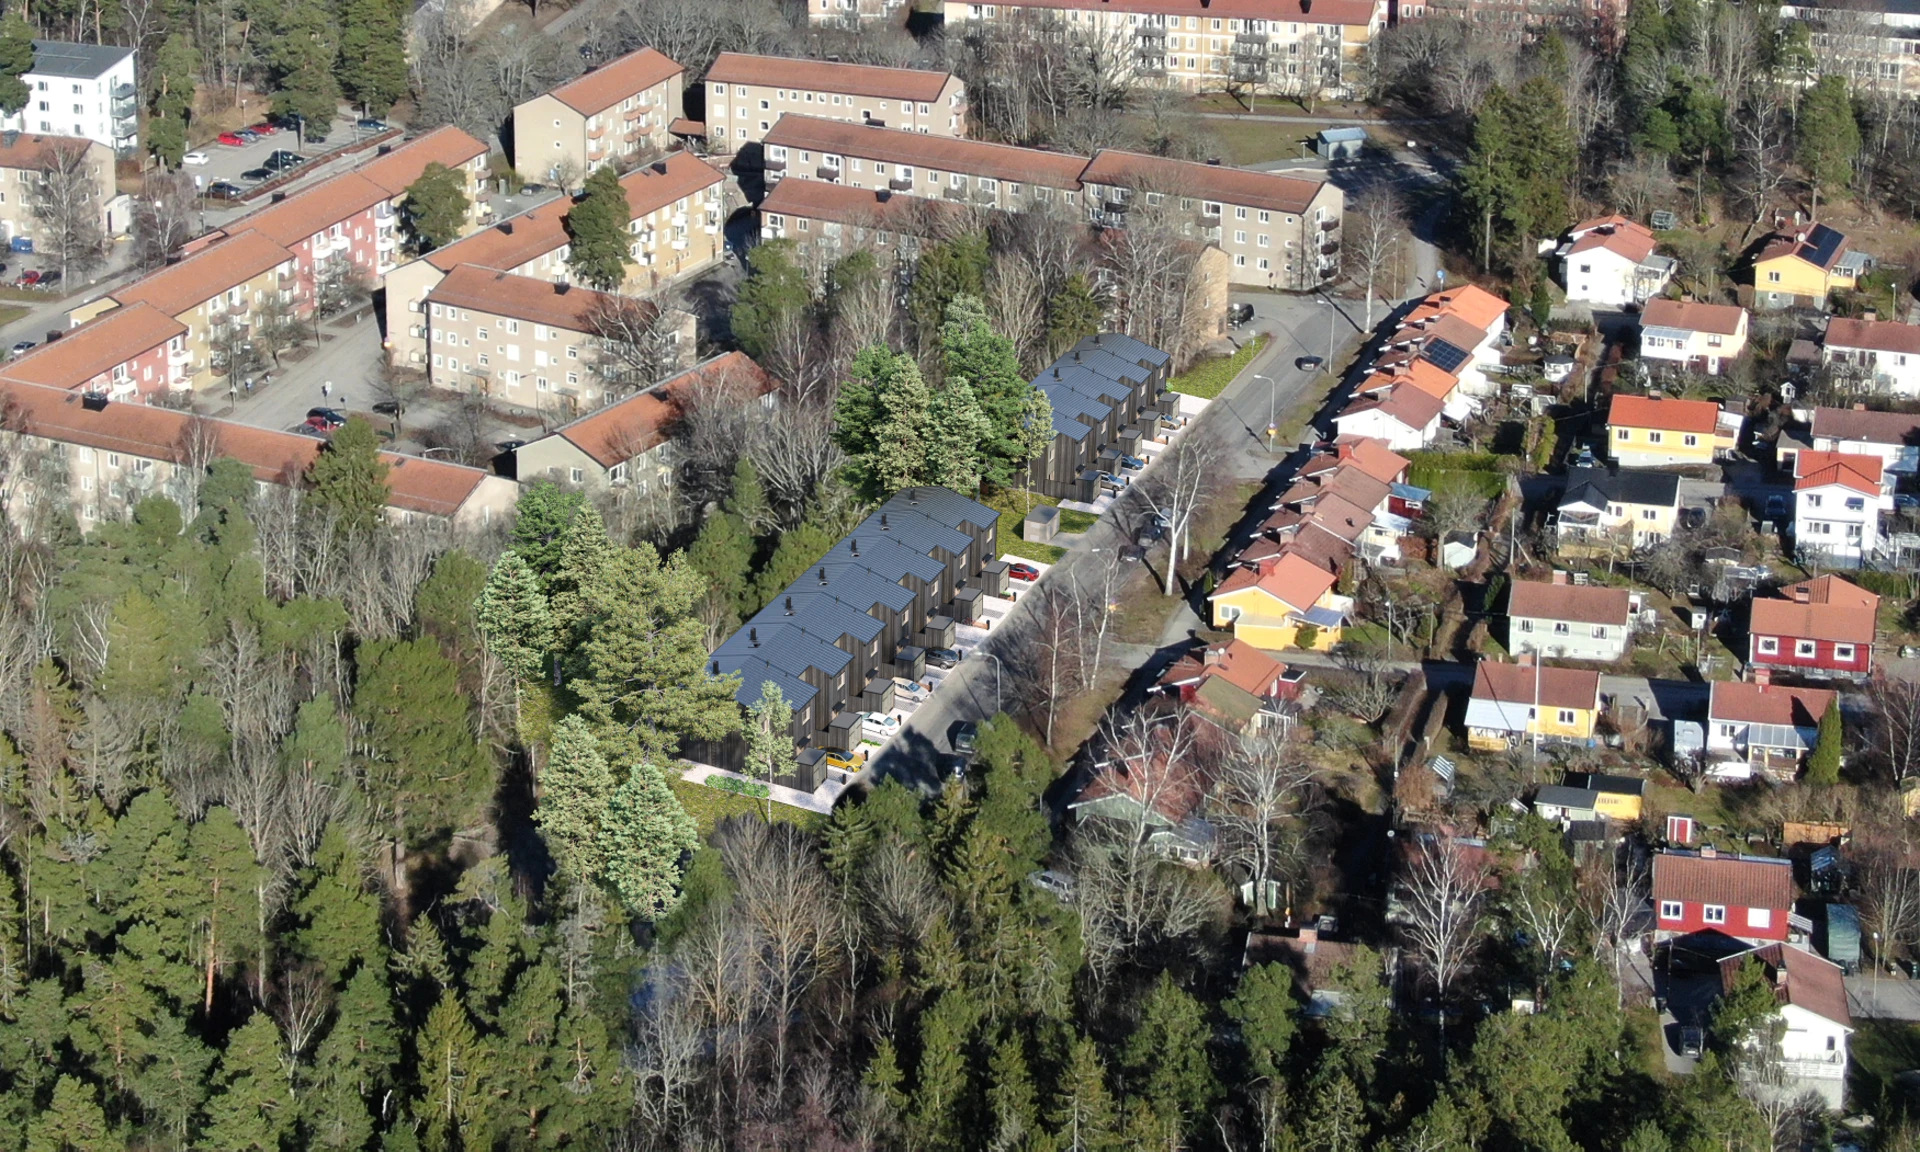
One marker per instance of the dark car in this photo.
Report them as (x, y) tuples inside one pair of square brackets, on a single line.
[(248, 135), (1023, 572), (965, 737), (942, 657), (372, 125), (258, 174), (50, 276), (1132, 462), (1692, 1041), (1308, 363), (282, 160), (1238, 314), (225, 190), (331, 417), (386, 407)]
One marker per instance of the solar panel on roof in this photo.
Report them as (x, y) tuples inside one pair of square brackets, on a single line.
[(1444, 355), (1824, 242)]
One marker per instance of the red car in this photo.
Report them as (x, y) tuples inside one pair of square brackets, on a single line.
[(231, 140), (30, 277), (1023, 572), (263, 128)]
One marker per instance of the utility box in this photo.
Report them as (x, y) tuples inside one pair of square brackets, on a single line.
[(1089, 487), (1130, 443), (809, 771), (966, 605), (939, 632), (1044, 520), (910, 662), (993, 578), (878, 695), (843, 733)]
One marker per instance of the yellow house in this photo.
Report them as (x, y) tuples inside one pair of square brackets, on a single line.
[(1805, 267), (1647, 432), (1520, 701), (1613, 512), (1615, 797), (1269, 602)]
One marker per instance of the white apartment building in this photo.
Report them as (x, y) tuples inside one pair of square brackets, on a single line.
[(87, 90)]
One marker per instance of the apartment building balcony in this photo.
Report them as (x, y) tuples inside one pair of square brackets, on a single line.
[(1247, 70), (385, 210), (957, 195), (1150, 36), (1329, 225), (872, 123), (596, 131), (385, 242), (1116, 206), (640, 111), (774, 164), (900, 184), (179, 357), (679, 245), (596, 152), (1251, 44), (985, 197), (638, 132), (831, 175), (1330, 248), (1151, 65)]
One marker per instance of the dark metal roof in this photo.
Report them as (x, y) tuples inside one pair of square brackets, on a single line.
[(822, 615), (1626, 486), (1604, 782), (943, 505), (1126, 346), (885, 557), (787, 647), (914, 529), (75, 61), (1561, 796), (754, 672), (1106, 364), (851, 581)]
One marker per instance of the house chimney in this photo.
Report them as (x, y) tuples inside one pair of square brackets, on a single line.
[(823, 577), (789, 605), (716, 667), (1762, 676), (1780, 974), (883, 522), (1215, 654), (853, 545), (753, 637), (1859, 407), (1309, 940), (1525, 659), (1056, 371)]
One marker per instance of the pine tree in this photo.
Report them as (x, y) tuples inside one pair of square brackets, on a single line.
[(1083, 1114), (1823, 764), (597, 230), (1335, 1115), (445, 604), (541, 518), (230, 882), (1263, 1007), (349, 480), (1166, 1056), (1522, 163), (942, 1079), (950, 268), (74, 1121), (958, 432), (455, 1078), (434, 212), (303, 52), (176, 65), (1073, 314), (13, 959), (643, 837), (341, 918), (353, 1064), (723, 555), (16, 60), (423, 756), (776, 294), (373, 59), (990, 366), (769, 737), (1827, 135), (170, 1074), (574, 789), (251, 1108), (798, 550), (514, 617), (1012, 1104)]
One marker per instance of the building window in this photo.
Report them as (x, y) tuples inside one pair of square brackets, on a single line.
[(1843, 651), (577, 475), (1653, 437), (1526, 625), (1759, 918), (1690, 441), (1670, 910), (1566, 715), (1622, 434), (1805, 648), (1714, 913), (1599, 631), (1769, 645)]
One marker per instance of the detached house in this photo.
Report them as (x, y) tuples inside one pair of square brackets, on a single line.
[(1404, 417), (1824, 625), (1569, 621), (1762, 727), (1159, 791), (1812, 994), (1610, 261), (1745, 898), (1803, 268), (1880, 351), (1837, 501), (1893, 437), (1233, 685), (1515, 702), (1621, 510), (1701, 337), (1652, 432), (1269, 602), (621, 109)]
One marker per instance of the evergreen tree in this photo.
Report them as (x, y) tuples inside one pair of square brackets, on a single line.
[(514, 617), (445, 604), (1335, 1115), (723, 556), (303, 50), (574, 789), (348, 480), (1083, 1115), (373, 58), (894, 456), (74, 1122), (251, 1107), (541, 518), (798, 550), (1522, 162), (1263, 1009), (645, 681), (644, 835), (769, 737), (883, 1078), (16, 60), (990, 366), (170, 1074), (1073, 314), (1827, 136), (774, 298), (455, 1078), (228, 883), (176, 66), (942, 1080), (583, 560), (1013, 1108), (434, 212), (599, 243), (353, 1065), (341, 917), (950, 268), (1823, 764), (957, 431), (1166, 1057), (167, 141), (1540, 308), (423, 756)]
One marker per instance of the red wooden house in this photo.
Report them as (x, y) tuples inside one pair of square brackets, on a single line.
[(1824, 625), (1743, 897)]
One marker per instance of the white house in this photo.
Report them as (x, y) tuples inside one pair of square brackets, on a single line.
[(1761, 727), (1837, 501), (1457, 331), (1881, 351), (1569, 621), (1697, 336), (1610, 261), (86, 90), (1812, 994)]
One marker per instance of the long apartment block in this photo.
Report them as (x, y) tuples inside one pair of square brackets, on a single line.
[(866, 612), (1108, 394), (281, 252), (1277, 231), (746, 95), (622, 109), (1285, 47), (679, 209), (101, 458)]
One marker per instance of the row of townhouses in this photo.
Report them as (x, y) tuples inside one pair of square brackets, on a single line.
[(1435, 364), (1108, 396)]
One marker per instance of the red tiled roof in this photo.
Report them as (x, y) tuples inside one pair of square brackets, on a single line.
[(1853, 470), (1405, 403), (1372, 456), (616, 80), (1721, 319), (1813, 983), (508, 244), (1812, 621), (1846, 424), (1834, 591), (651, 187), (927, 152), (28, 151), (1341, 517), (1236, 661), (402, 166), (1114, 168), (862, 208), (1775, 704), (1559, 687), (1722, 880), (1471, 303), (180, 288), (1666, 414), (821, 76), (95, 347), (1293, 580), (520, 297), (619, 432), (1877, 335), (1616, 234), (1576, 603), (300, 217)]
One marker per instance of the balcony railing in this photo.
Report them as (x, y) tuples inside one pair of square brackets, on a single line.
[(831, 175), (1329, 225), (986, 197), (596, 132), (957, 195), (774, 164), (900, 184)]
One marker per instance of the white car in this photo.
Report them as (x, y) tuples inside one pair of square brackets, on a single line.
[(879, 725), (195, 158), (910, 689)]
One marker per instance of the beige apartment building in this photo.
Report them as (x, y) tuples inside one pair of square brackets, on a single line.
[(679, 207), (746, 95), (853, 13), (620, 110), (1277, 231), (219, 285), (23, 158), (1284, 47), (970, 172)]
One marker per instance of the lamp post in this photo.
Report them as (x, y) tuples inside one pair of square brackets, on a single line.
[(1273, 408), (997, 667)]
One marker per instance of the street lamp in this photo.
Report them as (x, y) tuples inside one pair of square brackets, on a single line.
[(1273, 408), (1333, 312), (997, 667)]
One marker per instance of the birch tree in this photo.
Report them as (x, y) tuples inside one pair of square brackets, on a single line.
[(1184, 480), (1444, 893)]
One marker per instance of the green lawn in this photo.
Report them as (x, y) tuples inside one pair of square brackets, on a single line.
[(11, 312), (1207, 378), (1012, 506), (1076, 521), (709, 806)]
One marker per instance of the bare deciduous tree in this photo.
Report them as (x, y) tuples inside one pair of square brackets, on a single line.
[(1258, 786), (1371, 237), (1895, 732), (1185, 479), (638, 342), (165, 216), (1613, 893), (1443, 897), (69, 202)]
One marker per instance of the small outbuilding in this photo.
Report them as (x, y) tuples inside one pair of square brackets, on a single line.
[(1340, 143)]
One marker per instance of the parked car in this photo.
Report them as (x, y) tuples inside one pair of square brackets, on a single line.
[(248, 135), (372, 125), (1057, 884), (1023, 572), (965, 737), (910, 689), (329, 417), (1112, 483), (283, 160), (1692, 1041), (1132, 462), (225, 190), (264, 128), (1776, 506), (24, 346), (942, 657), (1238, 314), (258, 174), (1133, 554), (392, 408), (29, 278), (195, 158), (1308, 363), (879, 725), (846, 761), (232, 140), (49, 277)]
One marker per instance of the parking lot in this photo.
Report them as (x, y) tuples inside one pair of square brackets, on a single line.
[(230, 163)]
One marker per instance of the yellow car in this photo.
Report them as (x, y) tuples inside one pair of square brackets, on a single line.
[(846, 761)]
